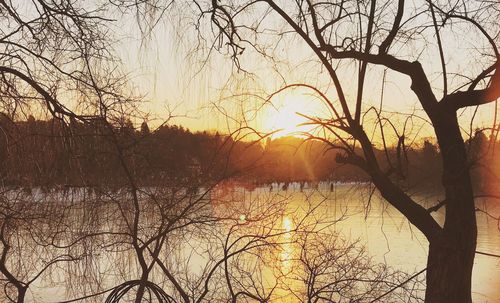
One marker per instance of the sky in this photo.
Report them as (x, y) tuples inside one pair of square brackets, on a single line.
[(209, 94)]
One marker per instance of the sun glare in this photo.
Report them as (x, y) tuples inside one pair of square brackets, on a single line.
[(284, 117)]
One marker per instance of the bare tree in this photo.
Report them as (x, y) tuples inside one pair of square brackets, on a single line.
[(58, 56), (327, 272), (369, 34), (53, 53), (42, 233)]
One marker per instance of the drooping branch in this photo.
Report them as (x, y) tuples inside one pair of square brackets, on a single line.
[(53, 105)]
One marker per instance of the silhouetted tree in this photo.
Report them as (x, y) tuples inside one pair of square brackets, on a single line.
[(392, 36), (145, 129)]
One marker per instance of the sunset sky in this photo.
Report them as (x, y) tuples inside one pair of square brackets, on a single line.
[(249, 151), (204, 93)]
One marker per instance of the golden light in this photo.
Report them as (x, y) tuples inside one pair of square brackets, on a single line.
[(287, 249), (287, 224), (284, 116)]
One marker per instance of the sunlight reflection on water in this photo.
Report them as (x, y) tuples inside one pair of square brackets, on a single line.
[(387, 235), (390, 238)]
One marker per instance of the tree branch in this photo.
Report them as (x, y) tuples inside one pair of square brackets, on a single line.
[(473, 97), (384, 46), (52, 104), (420, 84)]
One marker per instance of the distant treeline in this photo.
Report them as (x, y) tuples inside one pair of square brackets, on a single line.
[(47, 153)]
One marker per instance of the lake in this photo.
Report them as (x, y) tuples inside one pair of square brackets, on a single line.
[(352, 212)]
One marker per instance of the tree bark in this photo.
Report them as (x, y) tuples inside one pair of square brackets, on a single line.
[(451, 252), (449, 271), (21, 294), (142, 288)]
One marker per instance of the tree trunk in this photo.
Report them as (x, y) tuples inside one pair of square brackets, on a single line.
[(142, 288), (451, 253), (449, 271), (21, 294)]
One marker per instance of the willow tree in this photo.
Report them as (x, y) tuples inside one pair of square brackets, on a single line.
[(392, 35), (58, 56)]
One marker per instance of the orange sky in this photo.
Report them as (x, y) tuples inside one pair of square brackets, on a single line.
[(205, 94)]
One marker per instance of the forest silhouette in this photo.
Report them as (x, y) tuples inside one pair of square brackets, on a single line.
[(95, 205), (51, 152)]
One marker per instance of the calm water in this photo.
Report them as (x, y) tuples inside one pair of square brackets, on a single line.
[(390, 238), (387, 235)]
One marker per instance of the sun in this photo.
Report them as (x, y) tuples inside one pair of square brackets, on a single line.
[(286, 115)]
